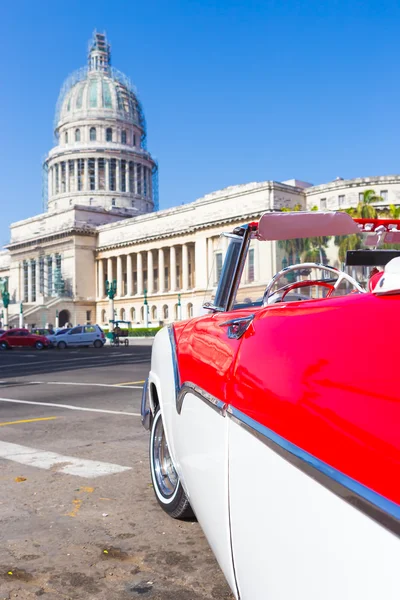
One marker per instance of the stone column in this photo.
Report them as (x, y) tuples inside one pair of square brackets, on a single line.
[(150, 272), (107, 174), (118, 175), (67, 176), (29, 280), (127, 175), (75, 175), (185, 267), (139, 273), (119, 276), (161, 271), (134, 191), (86, 174), (200, 263), (172, 268), (96, 174), (50, 182), (37, 269), (129, 279), (54, 267), (110, 275), (46, 278), (210, 265), (100, 275)]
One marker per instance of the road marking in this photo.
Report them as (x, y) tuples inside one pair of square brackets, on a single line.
[(66, 362), (112, 385), (127, 383), (70, 465), (70, 407), (28, 421)]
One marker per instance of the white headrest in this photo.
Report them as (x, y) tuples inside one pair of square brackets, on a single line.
[(389, 283)]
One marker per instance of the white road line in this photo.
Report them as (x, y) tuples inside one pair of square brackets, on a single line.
[(71, 407), (111, 385), (66, 362), (69, 465)]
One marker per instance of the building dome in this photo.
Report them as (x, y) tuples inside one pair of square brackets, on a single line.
[(100, 157)]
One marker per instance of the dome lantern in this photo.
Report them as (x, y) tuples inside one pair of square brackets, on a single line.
[(99, 58)]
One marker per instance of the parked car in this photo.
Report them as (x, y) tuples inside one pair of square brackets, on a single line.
[(42, 331), (278, 425), (83, 335), (22, 337)]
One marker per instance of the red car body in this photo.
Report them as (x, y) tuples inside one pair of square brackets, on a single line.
[(22, 337)]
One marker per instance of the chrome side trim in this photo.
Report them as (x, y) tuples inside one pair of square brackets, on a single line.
[(145, 406), (237, 327), (188, 387), (191, 388), (377, 507), (177, 378)]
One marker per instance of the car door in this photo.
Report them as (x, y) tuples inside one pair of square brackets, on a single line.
[(205, 355), (297, 404), (90, 334), (75, 336)]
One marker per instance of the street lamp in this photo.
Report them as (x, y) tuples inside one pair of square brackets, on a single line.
[(5, 295), (179, 315), (146, 309), (111, 290)]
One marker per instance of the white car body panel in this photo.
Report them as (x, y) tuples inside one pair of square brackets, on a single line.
[(290, 533), (198, 443)]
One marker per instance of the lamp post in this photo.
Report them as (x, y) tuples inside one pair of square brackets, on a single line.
[(111, 290), (179, 308), (6, 301), (21, 315), (146, 309)]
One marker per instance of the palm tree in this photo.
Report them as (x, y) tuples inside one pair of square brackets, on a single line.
[(347, 242), (365, 208), (394, 211), (315, 252)]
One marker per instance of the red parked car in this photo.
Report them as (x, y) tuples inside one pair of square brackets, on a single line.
[(22, 337)]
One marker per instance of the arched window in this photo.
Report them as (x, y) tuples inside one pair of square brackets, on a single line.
[(190, 310), (142, 313), (66, 137), (122, 314), (165, 311), (133, 314), (108, 134), (154, 313), (103, 316), (113, 202), (176, 312), (134, 140), (92, 134), (77, 135), (123, 136)]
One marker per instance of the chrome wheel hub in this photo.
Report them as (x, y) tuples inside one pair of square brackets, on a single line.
[(167, 478)]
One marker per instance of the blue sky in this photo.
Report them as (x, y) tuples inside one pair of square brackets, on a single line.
[(233, 90)]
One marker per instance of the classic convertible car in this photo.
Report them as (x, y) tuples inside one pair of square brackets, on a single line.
[(277, 424)]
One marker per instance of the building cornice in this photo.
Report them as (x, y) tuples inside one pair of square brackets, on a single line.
[(340, 184), (190, 230), (36, 241)]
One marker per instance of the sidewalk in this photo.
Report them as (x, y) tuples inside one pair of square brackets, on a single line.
[(134, 341)]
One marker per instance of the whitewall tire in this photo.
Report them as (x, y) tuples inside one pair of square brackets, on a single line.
[(166, 484)]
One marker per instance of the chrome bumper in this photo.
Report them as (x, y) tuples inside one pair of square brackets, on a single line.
[(145, 408)]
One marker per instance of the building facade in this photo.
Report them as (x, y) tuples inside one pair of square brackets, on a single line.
[(102, 221)]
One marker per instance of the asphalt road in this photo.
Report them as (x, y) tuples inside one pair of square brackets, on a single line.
[(78, 516)]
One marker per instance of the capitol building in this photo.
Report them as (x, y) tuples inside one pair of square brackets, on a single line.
[(102, 220)]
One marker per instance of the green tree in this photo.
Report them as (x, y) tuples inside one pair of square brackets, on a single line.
[(394, 211), (316, 250), (347, 242), (365, 208)]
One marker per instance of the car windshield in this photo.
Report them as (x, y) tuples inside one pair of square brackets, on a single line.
[(325, 250)]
